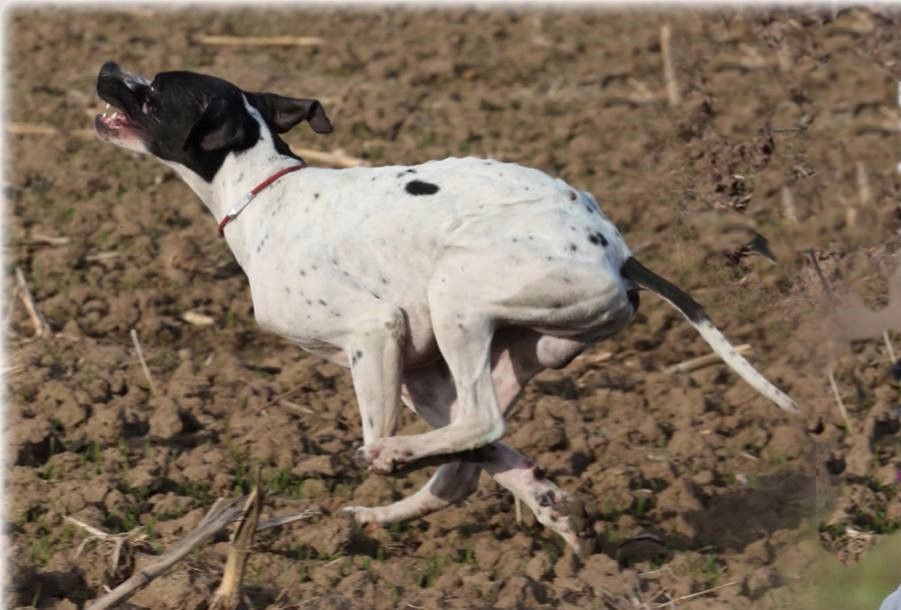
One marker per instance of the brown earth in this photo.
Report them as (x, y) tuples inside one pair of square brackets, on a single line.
[(781, 113)]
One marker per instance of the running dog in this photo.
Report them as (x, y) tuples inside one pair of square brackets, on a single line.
[(445, 286)]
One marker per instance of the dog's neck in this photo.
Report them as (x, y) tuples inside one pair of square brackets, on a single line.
[(239, 174)]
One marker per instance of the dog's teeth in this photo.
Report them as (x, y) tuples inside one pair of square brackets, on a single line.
[(107, 107)]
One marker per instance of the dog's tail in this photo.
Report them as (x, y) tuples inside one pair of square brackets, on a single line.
[(694, 313)]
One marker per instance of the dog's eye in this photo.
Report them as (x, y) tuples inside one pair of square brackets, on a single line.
[(149, 107)]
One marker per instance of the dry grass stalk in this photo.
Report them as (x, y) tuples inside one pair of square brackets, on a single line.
[(788, 205), (228, 595), (639, 95), (286, 519), (197, 319), (99, 257), (596, 358), (682, 598), (12, 370), (865, 195), (336, 158), (863, 184), (281, 397), (299, 408), (841, 404), (517, 507), (217, 519), (669, 71), (41, 328), (48, 240), (703, 361), (888, 347), (144, 367), (749, 60), (31, 129), (128, 542), (259, 41)]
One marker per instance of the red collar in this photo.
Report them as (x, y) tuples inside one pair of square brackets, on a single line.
[(233, 213)]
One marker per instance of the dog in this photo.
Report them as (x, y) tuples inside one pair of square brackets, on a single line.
[(445, 286)]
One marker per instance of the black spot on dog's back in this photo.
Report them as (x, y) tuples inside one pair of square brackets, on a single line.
[(597, 238), (418, 187)]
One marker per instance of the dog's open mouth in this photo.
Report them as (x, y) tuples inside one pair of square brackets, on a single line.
[(115, 124), (115, 121)]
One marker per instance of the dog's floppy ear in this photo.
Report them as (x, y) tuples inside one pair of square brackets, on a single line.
[(282, 113), (217, 127)]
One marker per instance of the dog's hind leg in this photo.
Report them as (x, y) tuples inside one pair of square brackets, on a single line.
[(430, 392), (558, 510), (517, 355)]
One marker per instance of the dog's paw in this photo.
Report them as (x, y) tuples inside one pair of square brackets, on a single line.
[(361, 514), (570, 518), (382, 456)]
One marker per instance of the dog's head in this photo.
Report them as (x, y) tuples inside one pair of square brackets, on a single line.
[(195, 120)]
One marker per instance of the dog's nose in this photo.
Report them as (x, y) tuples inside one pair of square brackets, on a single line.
[(108, 69)]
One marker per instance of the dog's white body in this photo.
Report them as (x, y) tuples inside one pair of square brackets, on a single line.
[(320, 240), (446, 285)]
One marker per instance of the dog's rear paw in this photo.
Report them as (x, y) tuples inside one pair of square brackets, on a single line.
[(361, 514), (569, 516)]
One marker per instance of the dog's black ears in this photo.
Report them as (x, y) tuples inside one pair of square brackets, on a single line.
[(218, 127), (282, 113)]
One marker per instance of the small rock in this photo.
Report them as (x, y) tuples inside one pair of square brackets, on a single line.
[(759, 582), (328, 537), (705, 477), (539, 567), (165, 423), (521, 592), (679, 498), (105, 427), (859, 457), (787, 442), (317, 465), (30, 439)]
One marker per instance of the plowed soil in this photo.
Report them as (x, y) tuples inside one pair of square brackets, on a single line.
[(786, 123)]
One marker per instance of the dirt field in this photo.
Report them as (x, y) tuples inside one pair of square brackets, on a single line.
[(787, 123)]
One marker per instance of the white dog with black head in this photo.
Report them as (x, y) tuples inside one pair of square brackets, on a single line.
[(445, 286)]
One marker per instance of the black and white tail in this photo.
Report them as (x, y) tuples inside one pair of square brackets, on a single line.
[(694, 313)]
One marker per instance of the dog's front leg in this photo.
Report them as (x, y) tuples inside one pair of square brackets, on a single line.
[(375, 352)]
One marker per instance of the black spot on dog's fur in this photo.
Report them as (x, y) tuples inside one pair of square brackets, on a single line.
[(573, 247), (407, 171), (598, 238), (572, 195), (418, 187)]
